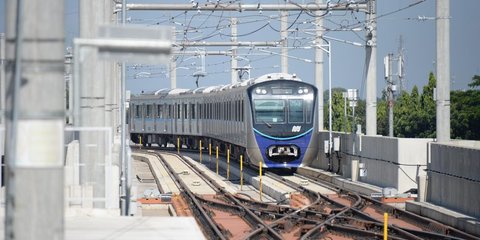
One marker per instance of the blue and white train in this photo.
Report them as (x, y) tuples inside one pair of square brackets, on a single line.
[(270, 119)]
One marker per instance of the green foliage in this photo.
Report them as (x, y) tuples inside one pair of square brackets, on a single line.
[(475, 81), (414, 113), (339, 123), (465, 114)]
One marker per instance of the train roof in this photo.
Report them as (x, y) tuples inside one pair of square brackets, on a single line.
[(179, 91)]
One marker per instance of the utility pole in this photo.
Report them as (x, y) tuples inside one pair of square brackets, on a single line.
[(233, 25), (388, 60), (173, 64), (284, 39), (2, 106), (401, 70), (2, 82), (92, 104), (108, 75), (35, 119), (371, 63), (443, 70), (125, 203), (319, 64)]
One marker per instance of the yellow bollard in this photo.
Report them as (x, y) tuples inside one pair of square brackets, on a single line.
[(209, 155), (178, 145), (210, 150), (385, 226), (140, 137), (260, 178), (200, 151), (228, 164), (241, 172), (217, 160)]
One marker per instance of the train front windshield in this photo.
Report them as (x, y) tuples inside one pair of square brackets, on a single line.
[(283, 108), (269, 111)]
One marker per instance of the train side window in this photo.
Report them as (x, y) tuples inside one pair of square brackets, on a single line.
[(237, 105), (169, 110), (185, 111), (234, 110), (148, 111), (177, 106), (160, 111), (137, 111), (242, 105), (200, 108), (192, 110), (231, 110)]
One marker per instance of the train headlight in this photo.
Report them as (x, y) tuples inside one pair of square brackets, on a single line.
[(261, 91), (300, 91), (305, 90)]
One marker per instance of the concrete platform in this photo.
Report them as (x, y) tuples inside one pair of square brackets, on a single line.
[(167, 185), (457, 220), (360, 187), (139, 228), (271, 190), (309, 185), (194, 182)]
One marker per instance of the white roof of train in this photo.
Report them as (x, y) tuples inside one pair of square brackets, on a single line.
[(263, 78)]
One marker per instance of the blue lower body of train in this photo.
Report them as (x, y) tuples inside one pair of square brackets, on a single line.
[(301, 142)]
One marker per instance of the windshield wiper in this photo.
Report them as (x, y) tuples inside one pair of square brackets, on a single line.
[(268, 124)]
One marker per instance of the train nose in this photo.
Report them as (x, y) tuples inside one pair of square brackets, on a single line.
[(278, 151)]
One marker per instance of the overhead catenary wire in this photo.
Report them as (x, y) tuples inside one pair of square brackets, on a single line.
[(215, 24)]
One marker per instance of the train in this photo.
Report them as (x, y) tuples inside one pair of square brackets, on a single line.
[(270, 119)]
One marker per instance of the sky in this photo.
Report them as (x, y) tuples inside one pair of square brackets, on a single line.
[(348, 61)]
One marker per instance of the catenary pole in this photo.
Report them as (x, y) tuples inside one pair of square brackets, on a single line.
[(319, 64), (284, 39), (173, 65), (125, 164), (233, 25), (92, 104), (443, 70), (371, 74), (35, 119)]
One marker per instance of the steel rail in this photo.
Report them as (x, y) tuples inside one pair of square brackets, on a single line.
[(344, 209), (209, 225), (427, 224), (249, 215)]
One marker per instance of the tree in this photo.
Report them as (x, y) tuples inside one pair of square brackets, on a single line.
[(475, 81), (427, 113), (382, 115), (465, 114)]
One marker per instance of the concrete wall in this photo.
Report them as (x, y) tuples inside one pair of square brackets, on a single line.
[(454, 179), (390, 162)]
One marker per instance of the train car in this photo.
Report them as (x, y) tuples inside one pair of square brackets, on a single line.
[(271, 119)]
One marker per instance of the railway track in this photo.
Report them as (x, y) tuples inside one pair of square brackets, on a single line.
[(339, 214)]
